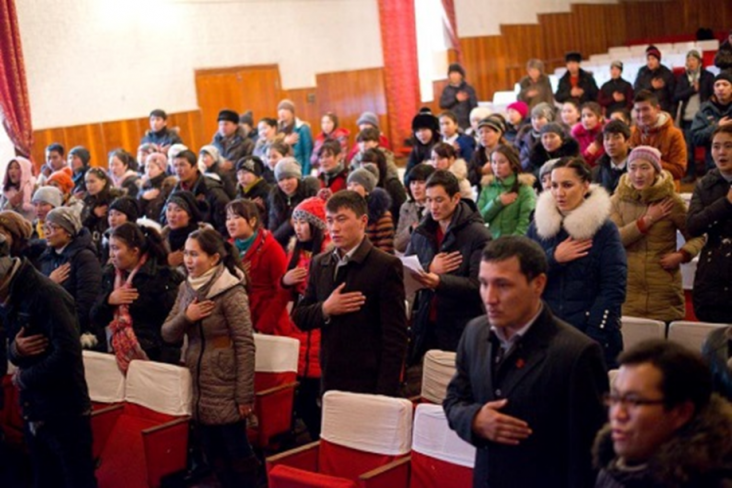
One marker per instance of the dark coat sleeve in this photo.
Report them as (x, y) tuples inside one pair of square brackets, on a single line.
[(605, 310), (684, 90), (590, 88), (398, 196), (447, 98), (88, 276), (564, 89), (217, 200), (393, 329), (702, 128), (102, 312), (703, 217), (472, 97), (456, 286), (308, 313)]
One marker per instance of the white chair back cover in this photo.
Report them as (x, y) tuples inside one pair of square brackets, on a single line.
[(105, 381), (370, 423), (160, 387), (692, 334), (636, 330), (275, 354), (437, 371), (434, 438)]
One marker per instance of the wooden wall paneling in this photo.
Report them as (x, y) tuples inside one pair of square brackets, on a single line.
[(261, 90), (216, 91), (485, 63), (437, 87), (615, 28), (42, 139), (190, 128), (715, 14), (523, 42), (560, 34), (591, 37), (306, 106)]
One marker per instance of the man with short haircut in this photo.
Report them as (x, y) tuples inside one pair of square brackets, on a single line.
[(458, 95), (297, 134), (616, 93), (614, 163), (159, 133), (230, 139), (657, 79), (55, 161), (715, 112), (246, 122), (666, 428), (355, 295), (656, 128), (528, 388), (576, 83), (448, 243)]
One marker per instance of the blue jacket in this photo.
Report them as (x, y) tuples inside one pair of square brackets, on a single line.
[(304, 147)]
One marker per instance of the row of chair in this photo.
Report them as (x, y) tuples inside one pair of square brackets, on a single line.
[(689, 334)]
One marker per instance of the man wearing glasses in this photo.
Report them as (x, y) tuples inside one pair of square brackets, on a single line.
[(666, 428)]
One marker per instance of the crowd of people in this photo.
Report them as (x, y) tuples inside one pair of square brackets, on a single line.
[(534, 230)]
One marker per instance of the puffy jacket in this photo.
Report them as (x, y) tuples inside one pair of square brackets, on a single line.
[(705, 122), (586, 81), (511, 219), (653, 292), (668, 139), (26, 185), (220, 351), (585, 138), (211, 192), (587, 292), (235, 147), (539, 155), (606, 100), (163, 138), (280, 207), (543, 89), (666, 94)]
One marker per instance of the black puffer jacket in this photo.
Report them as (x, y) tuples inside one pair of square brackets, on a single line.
[(280, 211), (211, 192), (164, 137)]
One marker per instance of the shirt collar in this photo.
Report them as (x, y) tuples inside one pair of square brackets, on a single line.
[(507, 344), (620, 167), (342, 261), (450, 140)]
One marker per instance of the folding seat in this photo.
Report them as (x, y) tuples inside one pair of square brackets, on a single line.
[(106, 385), (692, 334), (636, 330), (437, 371), (619, 52), (149, 439), (364, 442), (275, 380), (710, 45)]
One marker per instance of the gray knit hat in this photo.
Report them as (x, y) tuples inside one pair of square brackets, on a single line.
[(368, 118), (543, 109), (48, 194), (288, 168), (547, 167), (65, 218), (554, 128), (363, 177)]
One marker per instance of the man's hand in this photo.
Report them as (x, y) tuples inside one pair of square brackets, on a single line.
[(295, 276), (339, 303), (497, 427), (569, 250), (577, 92), (618, 97), (462, 96), (445, 262), (593, 148), (292, 138), (30, 345), (429, 280), (60, 274)]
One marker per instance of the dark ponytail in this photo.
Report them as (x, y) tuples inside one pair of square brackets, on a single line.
[(315, 245), (212, 242), (146, 239)]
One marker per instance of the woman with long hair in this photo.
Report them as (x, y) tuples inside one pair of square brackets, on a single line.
[(123, 172), (18, 186), (330, 131), (99, 195)]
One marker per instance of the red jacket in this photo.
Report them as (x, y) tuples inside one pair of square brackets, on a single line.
[(339, 134), (585, 138), (335, 184)]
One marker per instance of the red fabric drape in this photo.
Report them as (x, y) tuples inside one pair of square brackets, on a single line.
[(14, 103), (401, 76), (451, 27)]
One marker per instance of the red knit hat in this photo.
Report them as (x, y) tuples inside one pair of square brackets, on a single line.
[(520, 107), (653, 51), (312, 210), (63, 181)]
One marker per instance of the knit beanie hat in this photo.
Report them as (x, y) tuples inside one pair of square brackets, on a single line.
[(653, 51), (286, 105), (617, 64), (368, 118), (16, 225), (543, 109), (247, 118), (363, 177), (187, 201), (211, 150), (175, 150), (694, 54), (547, 167), (82, 153), (495, 122), (725, 75), (251, 164), (48, 194), (62, 180), (520, 107), (158, 159), (127, 206), (425, 120), (288, 168), (66, 218), (554, 128), (228, 115), (647, 153), (312, 210)]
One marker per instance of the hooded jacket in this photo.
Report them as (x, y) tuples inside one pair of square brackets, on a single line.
[(653, 292), (668, 139), (699, 455), (26, 186), (511, 219), (165, 137)]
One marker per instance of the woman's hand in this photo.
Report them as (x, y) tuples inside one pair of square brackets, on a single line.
[(123, 296), (175, 259), (151, 194), (570, 249), (658, 211), (246, 410), (508, 198), (199, 310), (60, 274), (101, 211), (672, 260), (295, 276)]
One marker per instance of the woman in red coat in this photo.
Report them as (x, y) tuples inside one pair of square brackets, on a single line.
[(265, 262), (311, 238)]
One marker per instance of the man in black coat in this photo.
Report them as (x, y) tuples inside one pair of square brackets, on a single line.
[(40, 320), (657, 79), (448, 243), (159, 134), (355, 295), (458, 96), (616, 93), (231, 141), (528, 388), (576, 82)]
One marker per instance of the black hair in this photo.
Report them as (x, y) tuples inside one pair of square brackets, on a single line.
[(594, 106), (269, 121), (126, 158), (446, 180), (7, 185), (573, 101), (347, 199), (281, 147), (331, 146), (333, 118), (445, 150), (617, 127), (317, 236), (646, 96), (419, 172), (189, 156), (56, 147), (531, 257), (368, 134), (512, 155), (146, 239), (684, 374), (378, 158), (246, 209), (722, 129), (212, 242), (624, 112), (449, 114), (578, 165)]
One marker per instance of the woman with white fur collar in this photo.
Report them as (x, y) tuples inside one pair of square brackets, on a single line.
[(587, 263)]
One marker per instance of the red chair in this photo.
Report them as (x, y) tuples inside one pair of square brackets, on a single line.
[(365, 442), (11, 418), (149, 438), (438, 369), (275, 380), (106, 385)]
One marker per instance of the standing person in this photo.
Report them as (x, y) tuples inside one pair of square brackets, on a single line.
[(445, 157), (297, 134), (18, 186), (329, 131), (507, 199), (528, 387), (380, 229), (284, 197), (451, 134), (587, 264), (710, 213), (123, 172), (723, 58), (333, 173), (614, 162), (99, 195), (555, 143), (649, 213), (589, 133), (42, 327), (265, 262), (576, 83), (426, 130), (458, 95), (713, 113), (78, 160), (412, 211), (616, 93), (230, 139), (137, 292), (355, 296), (159, 134), (657, 79), (447, 243), (535, 86), (212, 311), (156, 186)]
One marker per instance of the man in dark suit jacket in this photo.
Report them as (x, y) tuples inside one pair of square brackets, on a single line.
[(528, 387), (355, 295)]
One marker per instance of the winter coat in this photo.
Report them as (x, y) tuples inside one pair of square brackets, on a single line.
[(153, 208), (380, 227), (697, 456), (585, 138), (539, 155), (84, 277), (723, 58), (128, 184), (211, 192), (163, 138), (605, 175), (235, 147), (710, 212), (459, 168), (526, 140), (668, 139), (409, 214), (26, 185), (334, 182), (339, 134), (303, 148), (653, 292), (157, 285), (605, 96), (449, 101), (666, 94), (706, 122), (421, 153), (280, 211), (685, 90), (586, 81), (267, 265), (456, 298), (52, 383), (543, 87), (260, 190), (97, 225), (717, 351), (355, 149), (514, 218), (587, 292), (220, 353), (226, 178)]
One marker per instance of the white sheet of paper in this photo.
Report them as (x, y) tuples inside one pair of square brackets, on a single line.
[(411, 265)]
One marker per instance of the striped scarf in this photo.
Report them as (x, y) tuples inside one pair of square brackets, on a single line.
[(124, 341)]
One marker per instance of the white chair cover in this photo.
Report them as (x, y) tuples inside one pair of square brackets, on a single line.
[(437, 371), (160, 387), (434, 438), (636, 330), (105, 381), (275, 354), (692, 334), (370, 423)]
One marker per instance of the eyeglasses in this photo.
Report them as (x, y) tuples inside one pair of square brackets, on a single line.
[(50, 228), (629, 401)]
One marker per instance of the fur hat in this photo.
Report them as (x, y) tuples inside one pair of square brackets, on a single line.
[(288, 168), (127, 206), (647, 153), (16, 225), (286, 104), (520, 107), (312, 210), (543, 109), (48, 194), (368, 118), (653, 51), (425, 120), (66, 218), (365, 178), (187, 201), (82, 153), (252, 164), (573, 56), (228, 115), (456, 68)]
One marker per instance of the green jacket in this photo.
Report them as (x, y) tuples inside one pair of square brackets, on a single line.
[(512, 219)]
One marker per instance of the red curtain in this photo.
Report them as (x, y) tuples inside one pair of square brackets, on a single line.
[(401, 75), (14, 103), (451, 27)]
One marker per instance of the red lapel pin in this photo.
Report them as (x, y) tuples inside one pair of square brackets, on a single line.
[(520, 363)]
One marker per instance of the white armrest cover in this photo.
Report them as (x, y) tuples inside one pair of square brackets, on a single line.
[(437, 371), (160, 387), (105, 381), (434, 438), (275, 354)]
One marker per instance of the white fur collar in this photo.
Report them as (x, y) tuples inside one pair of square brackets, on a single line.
[(582, 223)]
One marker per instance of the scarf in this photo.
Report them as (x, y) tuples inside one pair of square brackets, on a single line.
[(39, 230), (124, 341), (243, 245), (329, 176), (117, 182), (177, 237), (200, 281)]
